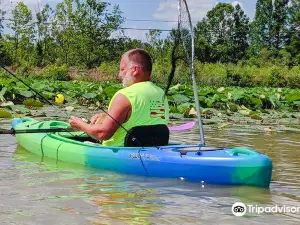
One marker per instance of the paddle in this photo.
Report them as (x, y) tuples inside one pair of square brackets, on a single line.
[(186, 126)]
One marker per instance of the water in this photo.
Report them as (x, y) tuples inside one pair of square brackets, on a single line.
[(43, 191)]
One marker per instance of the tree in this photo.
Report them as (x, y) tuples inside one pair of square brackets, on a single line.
[(241, 30), (44, 45), (2, 13), (293, 42), (63, 30), (22, 40), (83, 30), (96, 27), (280, 22), (261, 27), (223, 35)]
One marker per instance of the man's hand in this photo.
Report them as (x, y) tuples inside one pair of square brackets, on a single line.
[(76, 123), (95, 118)]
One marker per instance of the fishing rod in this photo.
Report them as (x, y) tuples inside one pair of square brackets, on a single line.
[(36, 92), (46, 100), (14, 132), (182, 127)]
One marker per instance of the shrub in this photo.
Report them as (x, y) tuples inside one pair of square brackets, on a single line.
[(108, 71), (211, 74), (56, 72)]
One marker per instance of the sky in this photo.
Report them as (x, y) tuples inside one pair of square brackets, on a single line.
[(158, 10)]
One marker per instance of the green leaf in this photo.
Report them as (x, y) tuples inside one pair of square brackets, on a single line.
[(296, 102), (237, 94), (89, 95), (19, 108), (293, 97), (180, 98), (38, 86), (26, 94), (209, 102), (33, 103), (173, 109), (110, 91), (255, 101), (176, 116), (256, 117), (232, 107), (184, 108), (221, 89), (4, 114), (48, 95), (3, 91), (176, 87)]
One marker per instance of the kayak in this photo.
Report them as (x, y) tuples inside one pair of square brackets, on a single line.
[(225, 166)]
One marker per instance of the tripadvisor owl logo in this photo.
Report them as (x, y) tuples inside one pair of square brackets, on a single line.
[(238, 209)]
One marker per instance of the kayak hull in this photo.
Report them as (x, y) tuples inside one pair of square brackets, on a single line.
[(235, 166)]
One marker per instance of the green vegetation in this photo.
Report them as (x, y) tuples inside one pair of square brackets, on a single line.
[(80, 40), (245, 101)]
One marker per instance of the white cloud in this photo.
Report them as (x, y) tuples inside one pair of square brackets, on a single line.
[(168, 9), (235, 3)]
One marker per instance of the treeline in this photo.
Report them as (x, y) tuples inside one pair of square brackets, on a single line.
[(86, 34)]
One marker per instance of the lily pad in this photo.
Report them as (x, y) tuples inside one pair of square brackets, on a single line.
[(256, 117), (221, 89), (183, 108), (244, 112), (26, 94), (255, 101), (5, 104), (233, 107), (110, 91), (296, 103), (89, 95), (176, 116), (293, 97), (18, 109), (32, 102), (180, 98), (5, 114)]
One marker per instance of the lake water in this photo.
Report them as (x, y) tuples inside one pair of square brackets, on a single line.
[(43, 191)]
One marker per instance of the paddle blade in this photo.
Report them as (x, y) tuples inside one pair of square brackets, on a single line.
[(186, 126)]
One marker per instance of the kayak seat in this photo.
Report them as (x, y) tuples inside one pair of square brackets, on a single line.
[(147, 136)]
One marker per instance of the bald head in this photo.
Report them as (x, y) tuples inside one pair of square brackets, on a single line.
[(141, 58)]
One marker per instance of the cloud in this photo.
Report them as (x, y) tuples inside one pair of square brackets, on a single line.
[(168, 9), (235, 3)]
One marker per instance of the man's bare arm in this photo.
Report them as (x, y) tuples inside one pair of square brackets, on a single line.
[(120, 110)]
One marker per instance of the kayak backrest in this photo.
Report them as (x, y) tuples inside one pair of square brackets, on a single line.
[(146, 136)]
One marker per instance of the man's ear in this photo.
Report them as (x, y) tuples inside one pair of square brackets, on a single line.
[(136, 70)]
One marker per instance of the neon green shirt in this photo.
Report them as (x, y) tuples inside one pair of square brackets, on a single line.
[(149, 107)]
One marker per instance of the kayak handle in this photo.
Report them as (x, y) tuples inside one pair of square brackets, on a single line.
[(241, 151)]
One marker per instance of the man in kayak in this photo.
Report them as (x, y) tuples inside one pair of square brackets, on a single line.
[(139, 103)]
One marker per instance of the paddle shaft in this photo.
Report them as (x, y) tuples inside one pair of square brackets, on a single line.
[(32, 131), (186, 126)]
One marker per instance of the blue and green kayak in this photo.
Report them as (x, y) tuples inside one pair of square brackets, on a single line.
[(228, 166)]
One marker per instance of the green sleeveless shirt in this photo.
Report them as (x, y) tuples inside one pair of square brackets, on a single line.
[(149, 107)]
